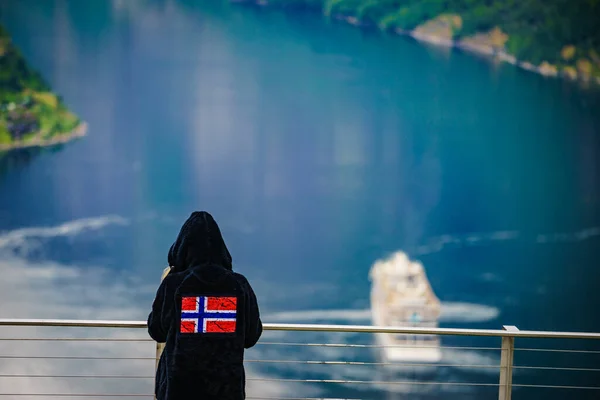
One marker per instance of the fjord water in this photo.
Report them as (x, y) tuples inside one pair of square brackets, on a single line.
[(319, 148)]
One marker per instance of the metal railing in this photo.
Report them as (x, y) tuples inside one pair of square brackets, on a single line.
[(286, 362)]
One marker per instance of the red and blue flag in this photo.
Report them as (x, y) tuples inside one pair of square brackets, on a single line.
[(208, 314)]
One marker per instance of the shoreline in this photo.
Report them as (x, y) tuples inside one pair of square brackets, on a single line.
[(466, 44), (545, 69), (491, 52), (79, 132)]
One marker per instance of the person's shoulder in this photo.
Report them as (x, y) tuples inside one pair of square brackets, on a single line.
[(241, 279), (173, 278)]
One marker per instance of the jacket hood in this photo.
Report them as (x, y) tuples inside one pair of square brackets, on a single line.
[(199, 243)]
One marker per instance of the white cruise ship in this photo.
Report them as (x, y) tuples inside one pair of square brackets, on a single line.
[(402, 296)]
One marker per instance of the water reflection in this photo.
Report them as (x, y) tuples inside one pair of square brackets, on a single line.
[(17, 160)]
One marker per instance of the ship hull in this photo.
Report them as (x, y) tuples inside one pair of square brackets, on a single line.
[(403, 351)]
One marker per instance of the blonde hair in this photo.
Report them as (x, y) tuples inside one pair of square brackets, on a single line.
[(165, 273)]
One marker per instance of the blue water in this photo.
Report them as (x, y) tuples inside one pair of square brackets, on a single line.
[(319, 149)]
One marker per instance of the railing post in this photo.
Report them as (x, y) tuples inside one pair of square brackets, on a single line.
[(506, 364)]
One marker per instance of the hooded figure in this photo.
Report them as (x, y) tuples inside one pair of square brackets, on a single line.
[(206, 314)]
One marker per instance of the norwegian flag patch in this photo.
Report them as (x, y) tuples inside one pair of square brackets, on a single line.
[(208, 314)]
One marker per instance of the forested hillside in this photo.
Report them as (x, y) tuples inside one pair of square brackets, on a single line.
[(30, 113)]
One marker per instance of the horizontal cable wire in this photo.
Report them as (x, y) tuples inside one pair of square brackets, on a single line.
[(75, 395), (78, 376), (75, 340), (296, 398), (371, 363), (371, 346), (74, 358), (557, 368), (262, 343), (557, 387), (560, 351), (370, 382), (150, 395), (259, 343)]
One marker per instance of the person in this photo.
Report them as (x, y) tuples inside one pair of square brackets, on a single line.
[(206, 315)]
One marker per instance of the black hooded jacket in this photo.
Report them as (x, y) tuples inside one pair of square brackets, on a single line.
[(207, 315)]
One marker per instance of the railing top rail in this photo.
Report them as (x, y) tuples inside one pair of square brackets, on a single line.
[(321, 328), (82, 323), (433, 331)]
